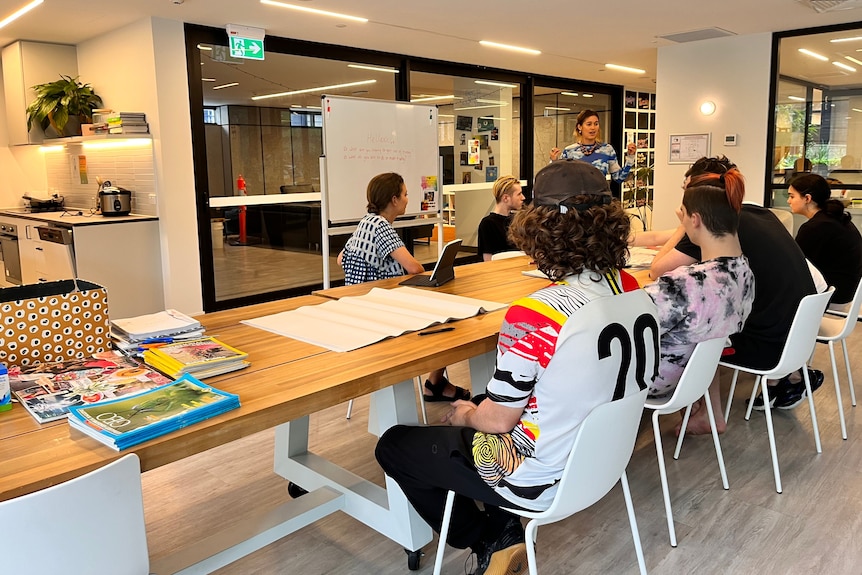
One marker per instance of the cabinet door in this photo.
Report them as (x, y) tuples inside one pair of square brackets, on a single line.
[(56, 263), (32, 256)]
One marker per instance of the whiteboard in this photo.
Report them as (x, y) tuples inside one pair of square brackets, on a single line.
[(363, 138)]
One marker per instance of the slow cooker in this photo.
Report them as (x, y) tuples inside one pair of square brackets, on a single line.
[(115, 201)]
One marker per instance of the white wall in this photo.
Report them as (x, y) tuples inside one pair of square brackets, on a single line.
[(732, 72), (142, 68), (22, 167)]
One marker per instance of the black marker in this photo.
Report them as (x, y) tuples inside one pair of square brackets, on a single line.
[(441, 330)]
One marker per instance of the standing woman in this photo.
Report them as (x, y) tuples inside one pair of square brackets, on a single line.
[(589, 148), (828, 239), (375, 252)]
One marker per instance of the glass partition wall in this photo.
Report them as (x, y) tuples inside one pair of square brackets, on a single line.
[(257, 138)]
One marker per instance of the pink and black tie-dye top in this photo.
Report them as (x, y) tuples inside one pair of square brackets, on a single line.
[(695, 303)]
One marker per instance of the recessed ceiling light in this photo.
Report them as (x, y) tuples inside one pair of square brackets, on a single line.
[(508, 47), (313, 11), (20, 12), (572, 94), (424, 98), (231, 84), (309, 90), (373, 68), (796, 98), (619, 68), (844, 66), (814, 54), (854, 38), (207, 79), (560, 109), (500, 84), (854, 60)]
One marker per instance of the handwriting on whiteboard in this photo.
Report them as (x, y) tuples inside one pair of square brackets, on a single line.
[(377, 153)]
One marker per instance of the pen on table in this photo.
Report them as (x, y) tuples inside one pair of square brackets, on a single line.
[(157, 340), (441, 330)]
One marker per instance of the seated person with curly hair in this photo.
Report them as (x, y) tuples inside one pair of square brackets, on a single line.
[(510, 449)]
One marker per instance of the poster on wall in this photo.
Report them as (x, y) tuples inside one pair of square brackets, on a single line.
[(490, 173), (464, 123), (485, 125), (686, 148), (472, 152), (429, 194)]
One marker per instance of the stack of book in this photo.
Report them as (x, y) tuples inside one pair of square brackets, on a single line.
[(122, 423), (48, 390), (162, 327), (124, 123), (204, 357)]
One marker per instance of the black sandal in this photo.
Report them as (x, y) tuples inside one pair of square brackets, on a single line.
[(437, 392)]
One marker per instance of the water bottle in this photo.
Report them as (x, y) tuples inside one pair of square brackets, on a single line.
[(5, 392)]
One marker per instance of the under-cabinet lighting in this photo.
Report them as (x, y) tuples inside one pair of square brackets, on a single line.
[(310, 90), (813, 54), (508, 47), (629, 69), (47, 149), (498, 84), (20, 12), (124, 143), (844, 66), (314, 11), (229, 85), (373, 68)]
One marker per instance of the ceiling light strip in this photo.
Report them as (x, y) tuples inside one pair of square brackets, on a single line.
[(796, 98), (844, 66), (490, 44), (432, 98), (373, 68), (854, 60), (573, 94), (556, 108), (310, 90), (20, 12), (314, 11), (813, 54), (853, 39), (229, 85), (629, 69), (498, 84)]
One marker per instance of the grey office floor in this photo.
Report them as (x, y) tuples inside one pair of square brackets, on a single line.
[(813, 527)]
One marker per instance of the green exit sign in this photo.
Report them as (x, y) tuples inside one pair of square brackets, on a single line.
[(249, 48)]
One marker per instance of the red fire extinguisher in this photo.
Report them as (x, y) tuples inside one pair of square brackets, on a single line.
[(240, 186)]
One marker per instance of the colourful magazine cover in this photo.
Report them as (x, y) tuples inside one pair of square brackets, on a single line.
[(193, 353)]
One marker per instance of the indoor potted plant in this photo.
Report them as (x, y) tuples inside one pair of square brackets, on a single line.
[(62, 106)]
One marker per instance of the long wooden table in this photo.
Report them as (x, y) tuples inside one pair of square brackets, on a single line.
[(288, 380)]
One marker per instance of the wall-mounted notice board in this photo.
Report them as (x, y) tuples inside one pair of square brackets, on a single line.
[(363, 138)]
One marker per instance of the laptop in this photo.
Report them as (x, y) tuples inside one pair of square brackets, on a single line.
[(443, 272)]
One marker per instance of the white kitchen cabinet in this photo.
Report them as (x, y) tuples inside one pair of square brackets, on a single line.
[(41, 261)]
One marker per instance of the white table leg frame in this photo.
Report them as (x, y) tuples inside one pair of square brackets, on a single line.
[(387, 511)]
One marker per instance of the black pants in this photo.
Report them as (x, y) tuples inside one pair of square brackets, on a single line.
[(427, 462)]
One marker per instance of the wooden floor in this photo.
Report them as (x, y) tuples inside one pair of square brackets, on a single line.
[(815, 526)]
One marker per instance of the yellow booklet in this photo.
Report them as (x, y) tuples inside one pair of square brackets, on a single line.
[(192, 355)]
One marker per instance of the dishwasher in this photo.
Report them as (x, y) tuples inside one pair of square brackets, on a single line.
[(62, 236), (10, 257)]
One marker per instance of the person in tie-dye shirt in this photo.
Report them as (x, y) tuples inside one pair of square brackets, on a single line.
[(711, 298)]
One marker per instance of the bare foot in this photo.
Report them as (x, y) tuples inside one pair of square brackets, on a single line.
[(698, 422)]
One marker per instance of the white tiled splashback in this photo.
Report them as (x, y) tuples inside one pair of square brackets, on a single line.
[(126, 167)]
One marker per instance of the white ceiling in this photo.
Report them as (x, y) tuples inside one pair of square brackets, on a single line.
[(576, 38)]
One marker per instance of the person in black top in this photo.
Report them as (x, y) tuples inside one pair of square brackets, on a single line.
[(494, 228), (829, 239), (781, 280)]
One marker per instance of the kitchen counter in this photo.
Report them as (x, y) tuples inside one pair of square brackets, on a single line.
[(71, 218)]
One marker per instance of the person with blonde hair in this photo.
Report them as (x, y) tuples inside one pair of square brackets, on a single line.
[(494, 228)]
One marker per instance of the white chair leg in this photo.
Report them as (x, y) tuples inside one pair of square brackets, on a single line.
[(718, 454), (682, 429), (633, 522), (530, 540), (757, 380), (444, 532), (349, 408), (837, 390), (849, 373), (419, 388), (662, 472), (730, 394), (814, 425), (771, 433)]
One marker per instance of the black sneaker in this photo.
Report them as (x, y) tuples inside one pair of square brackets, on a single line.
[(783, 395), (815, 379), (507, 555)]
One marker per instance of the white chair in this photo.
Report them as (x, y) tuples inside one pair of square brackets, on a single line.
[(836, 328), (797, 349), (507, 255), (602, 449), (693, 385), (91, 524), (785, 216)]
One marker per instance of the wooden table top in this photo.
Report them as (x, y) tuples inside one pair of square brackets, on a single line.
[(287, 379)]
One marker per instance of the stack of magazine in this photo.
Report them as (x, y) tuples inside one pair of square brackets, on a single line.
[(124, 422), (203, 357), (48, 390), (164, 326)]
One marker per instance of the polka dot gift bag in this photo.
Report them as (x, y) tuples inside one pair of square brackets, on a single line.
[(53, 321)]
